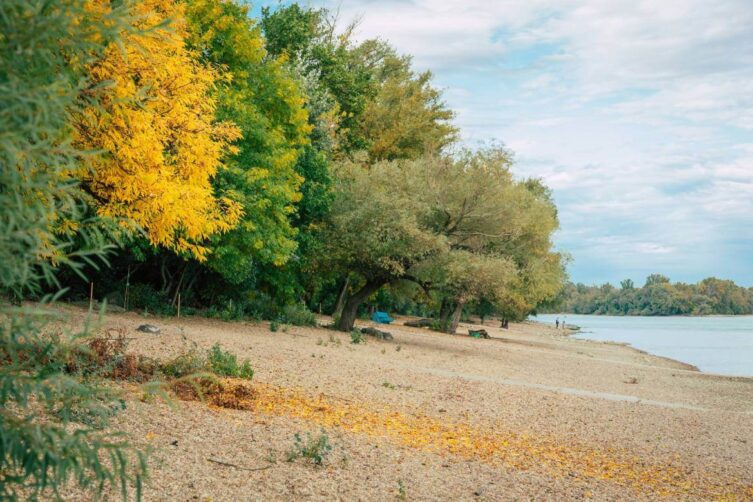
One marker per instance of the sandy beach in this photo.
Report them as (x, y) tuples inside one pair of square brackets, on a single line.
[(528, 414)]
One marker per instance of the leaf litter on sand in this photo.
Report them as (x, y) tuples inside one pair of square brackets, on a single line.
[(497, 446)]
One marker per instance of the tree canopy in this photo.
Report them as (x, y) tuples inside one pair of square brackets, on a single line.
[(460, 225)]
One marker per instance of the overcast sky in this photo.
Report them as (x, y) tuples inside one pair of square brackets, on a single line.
[(638, 114)]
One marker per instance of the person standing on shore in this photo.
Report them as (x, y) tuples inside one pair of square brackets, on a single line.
[(557, 323)]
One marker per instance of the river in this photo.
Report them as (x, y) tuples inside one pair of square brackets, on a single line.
[(715, 344)]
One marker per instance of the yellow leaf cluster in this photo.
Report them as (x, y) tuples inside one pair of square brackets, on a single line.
[(154, 125)]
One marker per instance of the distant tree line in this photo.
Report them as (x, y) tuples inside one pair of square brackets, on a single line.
[(657, 297)]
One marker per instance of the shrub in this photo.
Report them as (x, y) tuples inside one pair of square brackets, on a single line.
[(187, 363), (274, 326), (224, 363), (314, 449), (145, 297), (229, 310), (297, 315), (356, 336)]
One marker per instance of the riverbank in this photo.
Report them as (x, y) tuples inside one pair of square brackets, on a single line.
[(529, 413)]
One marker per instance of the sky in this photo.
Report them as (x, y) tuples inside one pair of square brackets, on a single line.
[(638, 115)]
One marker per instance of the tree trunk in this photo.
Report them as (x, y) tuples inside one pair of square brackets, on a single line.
[(341, 299), (350, 308), (453, 327), (180, 283), (444, 314)]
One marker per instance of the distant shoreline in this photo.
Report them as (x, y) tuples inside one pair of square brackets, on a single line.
[(648, 315)]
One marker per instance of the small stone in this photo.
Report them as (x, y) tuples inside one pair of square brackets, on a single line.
[(631, 380), (148, 328)]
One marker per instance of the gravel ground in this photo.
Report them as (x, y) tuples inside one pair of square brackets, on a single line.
[(567, 398)]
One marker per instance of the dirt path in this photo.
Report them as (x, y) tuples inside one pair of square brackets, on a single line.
[(432, 416)]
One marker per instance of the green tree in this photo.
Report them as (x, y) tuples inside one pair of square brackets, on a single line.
[(654, 279), (460, 224), (376, 230), (385, 107), (407, 116), (627, 284), (44, 47), (265, 100)]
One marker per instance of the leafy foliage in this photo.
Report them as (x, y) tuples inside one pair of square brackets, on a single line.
[(44, 47), (224, 363), (297, 315), (658, 296), (461, 226), (262, 97), (315, 449), (155, 122)]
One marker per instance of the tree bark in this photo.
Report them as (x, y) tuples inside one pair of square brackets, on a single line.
[(444, 314), (350, 308), (341, 299), (453, 327)]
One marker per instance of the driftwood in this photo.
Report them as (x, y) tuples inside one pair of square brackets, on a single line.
[(382, 335), (148, 328), (419, 323), (228, 464)]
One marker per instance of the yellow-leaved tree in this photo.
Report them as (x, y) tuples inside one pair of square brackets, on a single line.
[(154, 126)]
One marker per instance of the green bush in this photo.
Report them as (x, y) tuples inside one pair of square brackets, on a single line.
[(145, 297), (229, 310), (356, 336), (188, 363), (224, 363), (297, 315), (215, 360)]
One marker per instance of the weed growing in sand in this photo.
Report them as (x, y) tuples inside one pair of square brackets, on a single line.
[(398, 348), (274, 326), (334, 340), (187, 363), (388, 385), (319, 341), (356, 337), (314, 448), (402, 494)]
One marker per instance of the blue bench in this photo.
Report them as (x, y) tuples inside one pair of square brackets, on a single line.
[(381, 318)]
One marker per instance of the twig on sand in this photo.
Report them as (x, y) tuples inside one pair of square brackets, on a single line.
[(228, 464)]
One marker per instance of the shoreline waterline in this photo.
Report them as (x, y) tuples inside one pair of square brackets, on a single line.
[(716, 345)]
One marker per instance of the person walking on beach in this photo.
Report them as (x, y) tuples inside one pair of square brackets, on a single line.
[(557, 323)]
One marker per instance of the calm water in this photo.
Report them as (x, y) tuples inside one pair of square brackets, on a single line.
[(718, 344)]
